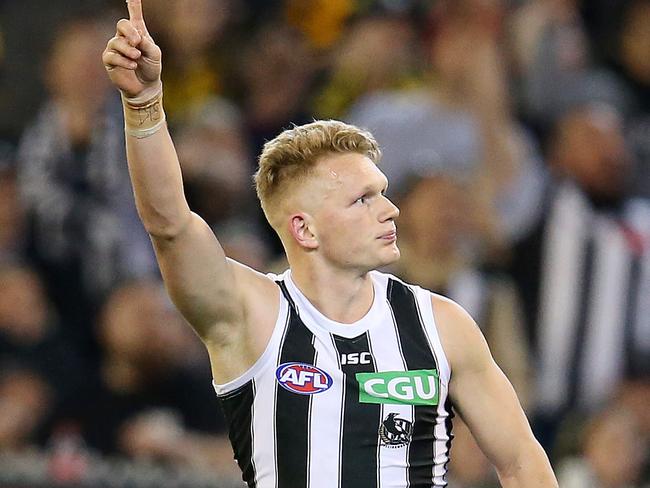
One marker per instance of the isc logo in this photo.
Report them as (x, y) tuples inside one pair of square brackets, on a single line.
[(356, 358), (302, 378)]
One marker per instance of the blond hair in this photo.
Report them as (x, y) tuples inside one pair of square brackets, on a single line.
[(292, 155)]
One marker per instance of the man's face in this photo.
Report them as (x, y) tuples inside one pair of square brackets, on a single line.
[(592, 151), (437, 216), (352, 220), (78, 45)]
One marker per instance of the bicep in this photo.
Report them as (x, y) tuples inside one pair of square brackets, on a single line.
[(198, 277), (480, 391), (489, 406)]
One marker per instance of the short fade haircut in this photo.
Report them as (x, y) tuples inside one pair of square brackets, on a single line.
[(293, 154)]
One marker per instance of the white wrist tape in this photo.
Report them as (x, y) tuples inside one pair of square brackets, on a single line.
[(143, 118)]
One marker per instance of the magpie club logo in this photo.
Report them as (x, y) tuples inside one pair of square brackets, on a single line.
[(395, 431), (302, 378)]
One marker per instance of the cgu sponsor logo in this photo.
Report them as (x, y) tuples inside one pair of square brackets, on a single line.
[(418, 387), (302, 378)]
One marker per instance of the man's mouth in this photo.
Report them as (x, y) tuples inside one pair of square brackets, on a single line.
[(389, 236)]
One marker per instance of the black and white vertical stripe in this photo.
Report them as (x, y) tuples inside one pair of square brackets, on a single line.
[(238, 411), (591, 295), (360, 421), (292, 411), (417, 353), (330, 439)]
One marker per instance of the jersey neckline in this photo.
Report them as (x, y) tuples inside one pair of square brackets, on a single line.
[(315, 319)]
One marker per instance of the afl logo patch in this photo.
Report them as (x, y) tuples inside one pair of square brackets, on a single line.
[(302, 378)]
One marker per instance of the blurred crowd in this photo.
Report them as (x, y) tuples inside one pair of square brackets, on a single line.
[(516, 139)]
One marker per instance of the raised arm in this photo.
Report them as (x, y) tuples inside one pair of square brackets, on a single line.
[(209, 290), (487, 402)]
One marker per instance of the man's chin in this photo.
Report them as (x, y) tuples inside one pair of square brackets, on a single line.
[(391, 256)]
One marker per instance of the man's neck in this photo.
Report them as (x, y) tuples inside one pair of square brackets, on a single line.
[(342, 296)]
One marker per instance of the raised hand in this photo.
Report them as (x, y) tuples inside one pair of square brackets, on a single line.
[(132, 58)]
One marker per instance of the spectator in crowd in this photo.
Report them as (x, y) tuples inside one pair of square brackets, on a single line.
[(83, 231), (464, 175), (634, 396), (558, 66), (633, 66), (556, 63), (461, 121), (321, 21), (379, 52), (276, 72), (30, 334), (443, 240), (583, 270), (153, 399), (25, 401), (190, 32), (214, 154), (215, 159), (631, 45), (33, 351), (28, 29), (612, 454)]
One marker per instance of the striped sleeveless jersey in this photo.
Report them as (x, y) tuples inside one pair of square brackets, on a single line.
[(331, 405)]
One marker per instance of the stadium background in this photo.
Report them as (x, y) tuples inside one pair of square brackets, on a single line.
[(488, 111)]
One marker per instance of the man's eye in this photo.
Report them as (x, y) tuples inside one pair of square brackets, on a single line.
[(361, 200)]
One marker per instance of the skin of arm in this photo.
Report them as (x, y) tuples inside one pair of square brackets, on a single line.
[(488, 404), (217, 296), (191, 260)]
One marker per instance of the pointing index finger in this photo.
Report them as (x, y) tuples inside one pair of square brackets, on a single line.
[(135, 14)]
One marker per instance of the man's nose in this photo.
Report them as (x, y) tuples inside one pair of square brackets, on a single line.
[(391, 212)]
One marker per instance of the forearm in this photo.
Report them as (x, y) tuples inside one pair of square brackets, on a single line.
[(133, 62), (532, 470), (157, 182)]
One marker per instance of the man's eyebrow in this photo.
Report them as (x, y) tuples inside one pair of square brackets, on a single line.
[(371, 187)]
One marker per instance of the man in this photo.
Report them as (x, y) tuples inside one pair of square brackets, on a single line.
[(311, 365), (583, 270)]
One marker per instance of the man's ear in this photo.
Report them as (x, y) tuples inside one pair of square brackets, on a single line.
[(301, 228)]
